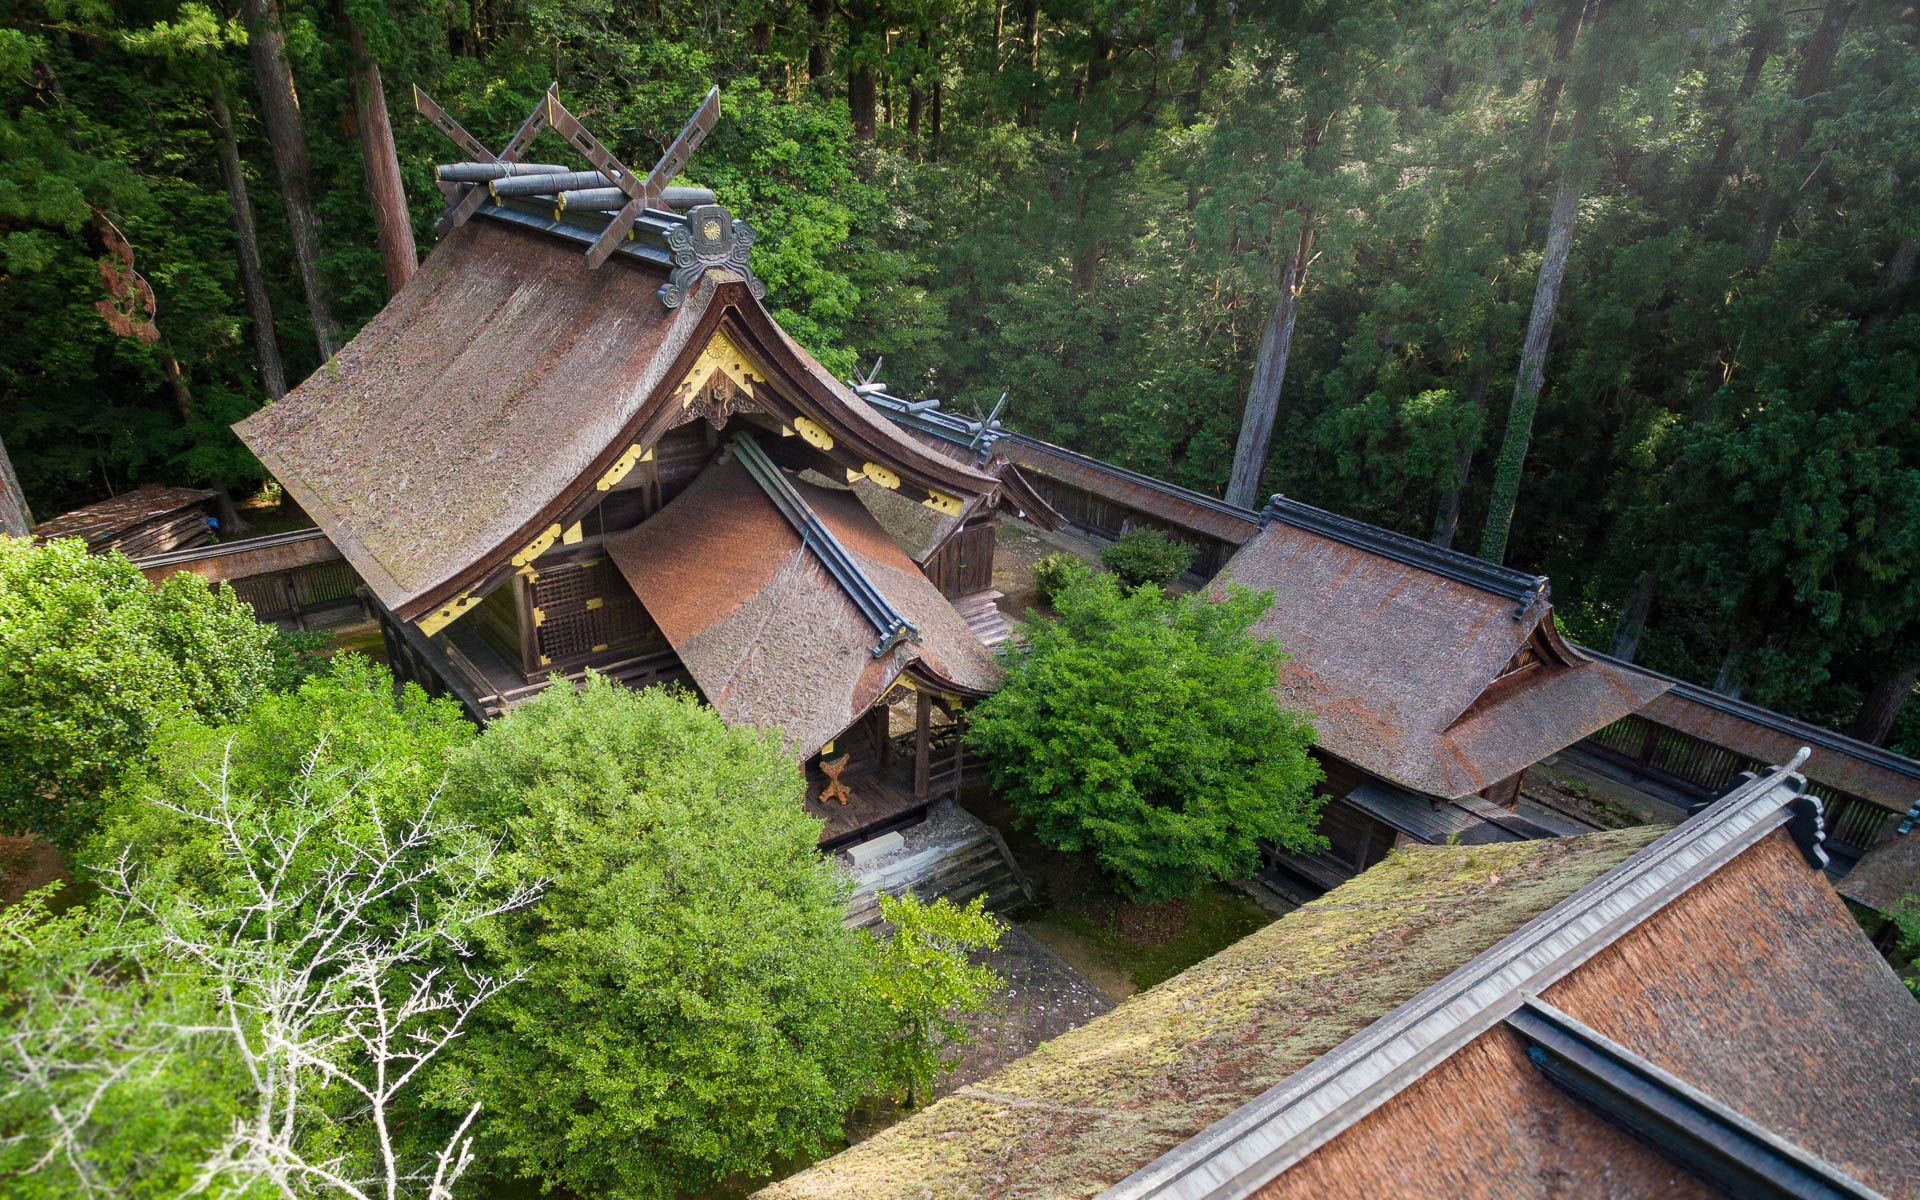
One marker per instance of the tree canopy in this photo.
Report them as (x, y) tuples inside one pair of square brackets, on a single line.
[(93, 659), (1142, 730), (692, 1007), (1522, 277)]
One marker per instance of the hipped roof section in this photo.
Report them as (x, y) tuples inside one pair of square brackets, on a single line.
[(765, 628), (481, 405), (1396, 659)]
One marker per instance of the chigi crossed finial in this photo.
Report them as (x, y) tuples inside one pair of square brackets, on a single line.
[(611, 198)]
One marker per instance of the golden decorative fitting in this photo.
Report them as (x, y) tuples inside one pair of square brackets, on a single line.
[(942, 504), (622, 466), (442, 617), (720, 357), (537, 546), (812, 434)]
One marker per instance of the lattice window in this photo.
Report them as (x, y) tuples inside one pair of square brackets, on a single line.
[(586, 608)]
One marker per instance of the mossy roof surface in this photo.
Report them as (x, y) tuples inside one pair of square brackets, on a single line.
[(1098, 1103)]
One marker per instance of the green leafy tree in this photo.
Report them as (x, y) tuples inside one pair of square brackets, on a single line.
[(1142, 730), (1055, 573), (93, 659), (276, 953), (693, 1008), (341, 736), (98, 1094), (1146, 556), (925, 978), (1906, 923)]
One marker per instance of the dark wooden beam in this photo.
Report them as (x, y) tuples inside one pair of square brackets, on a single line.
[(922, 743)]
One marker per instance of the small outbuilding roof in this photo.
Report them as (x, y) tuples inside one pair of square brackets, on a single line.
[(146, 520), (771, 629), (1431, 669), (1886, 874), (1861, 768)]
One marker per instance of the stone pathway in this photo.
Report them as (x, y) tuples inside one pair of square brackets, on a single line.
[(1042, 997)]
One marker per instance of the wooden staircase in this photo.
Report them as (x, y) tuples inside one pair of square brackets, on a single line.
[(981, 612), (953, 854)]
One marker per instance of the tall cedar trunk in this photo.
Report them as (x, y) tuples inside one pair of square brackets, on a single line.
[(1816, 63), (933, 117), (1030, 39), (1566, 31), (1269, 373), (1533, 361), (1727, 681), (15, 517), (253, 281), (1894, 283), (391, 223), (820, 13), (917, 93), (1633, 618), (1716, 176), (1882, 706), (862, 90), (1572, 14), (1447, 520), (280, 111), (223, 509)]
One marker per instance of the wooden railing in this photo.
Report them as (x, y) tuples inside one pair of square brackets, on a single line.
[(1701, 769)]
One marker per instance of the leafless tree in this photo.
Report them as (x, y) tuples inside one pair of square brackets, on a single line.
[(334, 970)]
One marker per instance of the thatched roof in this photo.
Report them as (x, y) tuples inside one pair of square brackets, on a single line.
[(1754, 987), (1873, 772), (149, 519), (1886, 874), (1180, 507), (482, 404), (1712, 989), (1398, 656), (765, 628), (1096, 1104)]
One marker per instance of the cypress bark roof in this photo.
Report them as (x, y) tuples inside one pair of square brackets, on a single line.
[(1847, 763), (106, 524), (482, 403), (1408, 666), (1096, 1104), (763, 625)]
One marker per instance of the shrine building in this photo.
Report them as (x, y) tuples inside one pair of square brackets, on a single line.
[(577, 440)]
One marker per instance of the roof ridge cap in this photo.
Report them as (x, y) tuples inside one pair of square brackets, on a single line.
[(1239, 1153), (1510, 583)]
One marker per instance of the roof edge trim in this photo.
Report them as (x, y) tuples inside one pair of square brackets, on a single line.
[(1523, 589), (887, 621), (1241, 1152), (1814, 735), (1687, 1125)]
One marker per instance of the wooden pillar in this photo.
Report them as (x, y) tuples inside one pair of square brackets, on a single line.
[(959, 752), (922, 743), (880, 728)]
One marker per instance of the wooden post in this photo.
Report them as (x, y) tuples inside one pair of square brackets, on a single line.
[(959, 752), (922, 743)]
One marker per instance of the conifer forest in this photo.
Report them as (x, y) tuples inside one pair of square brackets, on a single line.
[(1618, 291)]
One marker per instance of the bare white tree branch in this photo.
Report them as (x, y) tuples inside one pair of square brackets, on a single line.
[(336, 963)]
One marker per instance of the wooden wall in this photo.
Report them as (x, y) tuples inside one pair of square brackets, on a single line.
[(1107, 519), (964, 563)]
